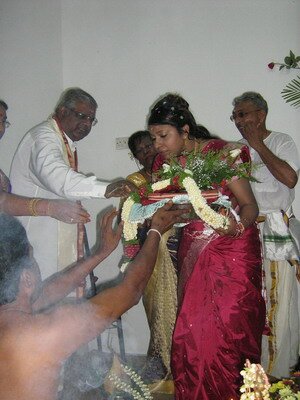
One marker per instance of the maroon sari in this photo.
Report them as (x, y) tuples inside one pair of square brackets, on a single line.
[(221, 314)]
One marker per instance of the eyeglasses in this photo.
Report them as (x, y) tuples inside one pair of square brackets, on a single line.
[(84, 117), (5, 123), (240, 114)]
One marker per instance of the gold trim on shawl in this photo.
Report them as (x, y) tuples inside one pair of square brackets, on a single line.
[(160, 303), (271, 315), (66, 233)]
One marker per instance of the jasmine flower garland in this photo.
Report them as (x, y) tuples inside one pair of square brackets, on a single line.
[(141, 392), (130, 228), (201, 208)]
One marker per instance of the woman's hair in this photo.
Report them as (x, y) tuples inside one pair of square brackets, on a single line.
[(14, 257), (136, 139), (255, 98), (71, 96), (172, 109)]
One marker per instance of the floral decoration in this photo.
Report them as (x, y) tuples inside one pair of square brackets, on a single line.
[(291, 93), (136, 388), (256, 385), (209, 170), (188, 174)]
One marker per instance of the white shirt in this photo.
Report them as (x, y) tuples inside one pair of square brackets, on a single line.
[(40, 168), (272, 195)]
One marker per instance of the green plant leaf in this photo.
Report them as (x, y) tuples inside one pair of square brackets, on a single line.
[(291, 93), (292, 55), (288, 60)]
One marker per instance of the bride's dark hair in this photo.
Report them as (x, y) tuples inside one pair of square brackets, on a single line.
[(172, 109)]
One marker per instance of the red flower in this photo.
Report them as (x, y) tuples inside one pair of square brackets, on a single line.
[(271, 65), (175, 180), (131, 250), (143, 192), (182, 161)]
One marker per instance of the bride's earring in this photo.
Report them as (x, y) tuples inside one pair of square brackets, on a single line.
[(185, 141)]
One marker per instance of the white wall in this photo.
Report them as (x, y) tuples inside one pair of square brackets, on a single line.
[(127, 53)]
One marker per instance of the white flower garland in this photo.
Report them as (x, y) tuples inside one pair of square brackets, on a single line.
[(199, 203), (201, 208), (130, 228), (143, 392), (160, 185)]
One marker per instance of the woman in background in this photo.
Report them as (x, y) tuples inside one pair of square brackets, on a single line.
[(66, 211), (221, 311), (160, 297)]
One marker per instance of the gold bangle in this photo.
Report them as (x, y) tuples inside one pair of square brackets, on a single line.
[(32, 207)]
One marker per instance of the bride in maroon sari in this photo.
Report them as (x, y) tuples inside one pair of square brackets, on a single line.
[(221, 311)]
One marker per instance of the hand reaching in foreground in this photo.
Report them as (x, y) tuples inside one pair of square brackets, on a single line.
[(165, 217), (108, 237), (69, 212), (120, 188)]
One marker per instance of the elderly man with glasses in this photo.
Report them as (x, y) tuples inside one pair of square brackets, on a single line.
[(276, 167), (45, 166)]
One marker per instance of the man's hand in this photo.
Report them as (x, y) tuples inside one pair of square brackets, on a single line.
[(108, 237), (69, 212), (254, 134), (120, 188), (165, 217)]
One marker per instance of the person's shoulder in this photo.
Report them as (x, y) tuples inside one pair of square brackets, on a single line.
[(45, 131), (239, 149), (234, 145), (45, 126), (279, 136)]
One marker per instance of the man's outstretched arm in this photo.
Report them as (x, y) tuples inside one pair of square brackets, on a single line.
[(59, 285), (115, 301), (71, 325)]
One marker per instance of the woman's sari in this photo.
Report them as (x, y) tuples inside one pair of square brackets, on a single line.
[(160, 303), (221, 311)]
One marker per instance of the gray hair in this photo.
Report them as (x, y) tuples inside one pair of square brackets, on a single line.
[(14, 257), (3, 105), (71, 96), (255, 98)]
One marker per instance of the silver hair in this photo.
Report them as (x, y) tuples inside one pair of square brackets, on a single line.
[(73, 95), (254, 97), (3, 105)]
